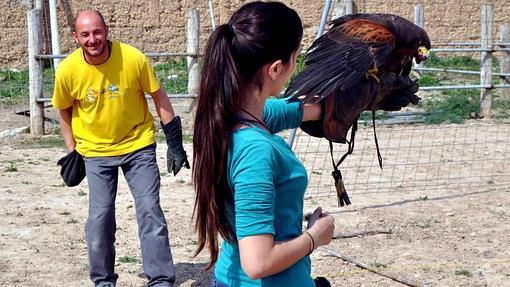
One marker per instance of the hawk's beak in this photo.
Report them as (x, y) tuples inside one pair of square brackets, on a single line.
[(423, 54)]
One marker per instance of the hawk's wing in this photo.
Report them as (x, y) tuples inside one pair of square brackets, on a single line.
[(341, 57)]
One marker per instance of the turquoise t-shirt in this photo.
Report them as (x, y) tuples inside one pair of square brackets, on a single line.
[(269, 183)]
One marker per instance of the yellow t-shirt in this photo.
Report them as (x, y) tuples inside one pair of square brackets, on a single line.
[(110, 113)]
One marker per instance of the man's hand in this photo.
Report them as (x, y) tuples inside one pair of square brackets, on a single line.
[(176, 156)]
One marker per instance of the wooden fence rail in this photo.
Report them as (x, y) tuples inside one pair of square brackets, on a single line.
[(36, 64), (486, 47)]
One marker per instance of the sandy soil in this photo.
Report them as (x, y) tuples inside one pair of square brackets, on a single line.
[(438, 238)]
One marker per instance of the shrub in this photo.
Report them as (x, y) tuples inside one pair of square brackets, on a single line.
[(452, 106)]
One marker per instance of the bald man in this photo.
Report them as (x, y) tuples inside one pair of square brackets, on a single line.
[(100, 95)]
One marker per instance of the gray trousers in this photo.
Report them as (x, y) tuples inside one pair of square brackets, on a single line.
[(142, 174)]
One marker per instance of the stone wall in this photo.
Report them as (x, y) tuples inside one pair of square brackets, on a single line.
[(160, 26)]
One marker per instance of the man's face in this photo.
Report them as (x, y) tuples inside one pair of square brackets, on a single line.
[(91, 34)]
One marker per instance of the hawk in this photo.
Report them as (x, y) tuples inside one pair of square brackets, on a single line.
[(362, 63)]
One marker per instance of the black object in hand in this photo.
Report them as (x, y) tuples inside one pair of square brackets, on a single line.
[(73, 168), (176, 156)]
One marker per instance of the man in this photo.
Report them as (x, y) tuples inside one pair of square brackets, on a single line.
[(103, 113)]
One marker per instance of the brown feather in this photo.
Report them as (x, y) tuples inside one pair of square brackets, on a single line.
[(367, 31)]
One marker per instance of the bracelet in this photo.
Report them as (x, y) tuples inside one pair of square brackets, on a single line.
[(312, 242)]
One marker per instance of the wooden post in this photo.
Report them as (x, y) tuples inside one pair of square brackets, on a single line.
[(337, 9), (348, 7), (35, 72), (505, 61), (419, 15), (211, 14), (486, 61), (341, 8), (419, 20), (192, 39)]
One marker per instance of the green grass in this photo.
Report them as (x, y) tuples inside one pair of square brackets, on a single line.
[(455, 106), (424, 224), (173, 75), (454, 62), (43, 142), (378, 264), (187, 138), (500, 107), (452, 106), (14, 84), (71, 221), (463, 62), (463, 272), (129, 259), (428, 80), (300, 65), (61, 184), (366, 116), (11, 167)]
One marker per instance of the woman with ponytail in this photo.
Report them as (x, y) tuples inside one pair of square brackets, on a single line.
[(249, 184)]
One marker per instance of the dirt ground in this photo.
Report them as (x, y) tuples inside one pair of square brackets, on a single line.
[(434, 238)]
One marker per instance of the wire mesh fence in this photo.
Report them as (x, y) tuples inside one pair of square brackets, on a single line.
[(425, 155), (416, 157), (441, 145)]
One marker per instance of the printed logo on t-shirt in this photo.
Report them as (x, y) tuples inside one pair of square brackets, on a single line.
[(93, 94)]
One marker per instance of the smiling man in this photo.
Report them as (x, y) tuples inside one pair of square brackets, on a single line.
[(100, 94)]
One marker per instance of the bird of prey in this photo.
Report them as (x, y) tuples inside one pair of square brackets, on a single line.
[(362, 63)]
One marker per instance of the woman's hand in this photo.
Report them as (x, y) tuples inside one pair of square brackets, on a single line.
[(321, 227)]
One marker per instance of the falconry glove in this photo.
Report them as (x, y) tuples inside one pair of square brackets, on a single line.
[(395, 92), (176, 156), (72, 168)]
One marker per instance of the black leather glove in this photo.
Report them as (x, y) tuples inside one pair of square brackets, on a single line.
[(72, 168), (403, 94), (395, 92), (176, 156)]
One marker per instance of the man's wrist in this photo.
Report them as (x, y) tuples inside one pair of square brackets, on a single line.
[(173, 128), (71, 146)]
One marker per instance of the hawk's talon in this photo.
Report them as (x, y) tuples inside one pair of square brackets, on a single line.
[(372, 73)]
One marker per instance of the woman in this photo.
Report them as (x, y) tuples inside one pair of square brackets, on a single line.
[(249, 184)]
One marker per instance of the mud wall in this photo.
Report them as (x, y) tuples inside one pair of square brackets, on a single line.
[(160, 26)]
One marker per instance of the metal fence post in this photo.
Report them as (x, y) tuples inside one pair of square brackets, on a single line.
[(192, 40), (35, 72), (320, 31), (486, 61), (505, 61)]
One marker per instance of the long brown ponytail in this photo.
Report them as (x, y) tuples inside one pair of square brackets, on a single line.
[(257, 33)]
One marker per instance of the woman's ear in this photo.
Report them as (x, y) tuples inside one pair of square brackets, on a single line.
[(275, 69)]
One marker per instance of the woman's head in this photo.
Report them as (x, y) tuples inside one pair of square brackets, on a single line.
[(259, 33), (263, 32)]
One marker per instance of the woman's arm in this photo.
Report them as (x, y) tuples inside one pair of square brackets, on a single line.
[(261, 256)]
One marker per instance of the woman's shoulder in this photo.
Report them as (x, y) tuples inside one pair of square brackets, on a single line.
[(251, 136), (251, 140)]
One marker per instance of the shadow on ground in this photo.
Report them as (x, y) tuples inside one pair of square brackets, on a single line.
[(192, 272)]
